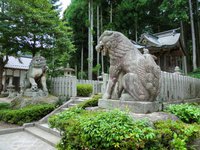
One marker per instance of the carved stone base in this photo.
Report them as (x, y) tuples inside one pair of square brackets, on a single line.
[(22, 101), (132, 106), (38, 93)]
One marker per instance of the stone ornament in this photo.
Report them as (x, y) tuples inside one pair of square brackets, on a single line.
[(36, 76), (133, 76)]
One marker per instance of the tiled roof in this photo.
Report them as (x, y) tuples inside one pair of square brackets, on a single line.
[(18, 63)]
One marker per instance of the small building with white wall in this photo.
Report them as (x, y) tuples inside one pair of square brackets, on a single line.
[(15, 72)]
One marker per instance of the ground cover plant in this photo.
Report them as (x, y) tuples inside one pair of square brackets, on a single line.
[(115, 129), (189, 113), (91, 102), (25, 115), (4, 106)]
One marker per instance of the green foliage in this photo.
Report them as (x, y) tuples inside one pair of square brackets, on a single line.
[(83, 74), (114, 130), (91, 102), (195, 74), (117, 130), (176, 10), (26, 114), (61, 100), (188, 113), (176, 135), (4, 106), (96, 68), (84, 90)]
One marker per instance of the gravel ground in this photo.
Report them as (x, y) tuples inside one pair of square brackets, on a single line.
[(5, 125)]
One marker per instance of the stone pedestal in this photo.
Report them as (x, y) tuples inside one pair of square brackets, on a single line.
[(132, 106), (30, 93)]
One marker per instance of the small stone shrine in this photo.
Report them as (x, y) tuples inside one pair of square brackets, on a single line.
[(134, 77)]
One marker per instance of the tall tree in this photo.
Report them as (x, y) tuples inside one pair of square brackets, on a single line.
[(32, 26)]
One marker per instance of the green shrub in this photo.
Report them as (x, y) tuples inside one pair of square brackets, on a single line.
[(84, 90), (5, 106), (26, 114), (176, 134), (188, 113), (91, 102), (114, 129), (101, 130)]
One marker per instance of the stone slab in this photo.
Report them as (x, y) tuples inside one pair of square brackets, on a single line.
[(43, 135), (155, 116), (10, 130), (132, 106)]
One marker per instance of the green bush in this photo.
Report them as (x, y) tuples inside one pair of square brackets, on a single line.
[(100, 130), (188, 113), (116, 130), (91, 102), (84, 90), (4, 106), (26, 114), (176, 135)]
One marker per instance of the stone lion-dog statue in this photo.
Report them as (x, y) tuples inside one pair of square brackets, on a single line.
[(132, 75), (36, 75)]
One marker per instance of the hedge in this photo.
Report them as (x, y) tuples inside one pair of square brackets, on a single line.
[(26, 114), (84, 90)]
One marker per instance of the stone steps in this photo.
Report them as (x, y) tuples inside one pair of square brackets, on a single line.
[(71, 103), (43, 135), (46, 128)]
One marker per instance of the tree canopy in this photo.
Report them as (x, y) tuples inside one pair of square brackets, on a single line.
[(132, 17)]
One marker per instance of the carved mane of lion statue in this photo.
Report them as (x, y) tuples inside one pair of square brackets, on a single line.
[(36, 74), (131, 72)]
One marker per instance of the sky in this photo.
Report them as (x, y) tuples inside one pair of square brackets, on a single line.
[(64, 4)]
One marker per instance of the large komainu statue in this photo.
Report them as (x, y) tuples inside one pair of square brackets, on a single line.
[(132, 74), (36, 75)]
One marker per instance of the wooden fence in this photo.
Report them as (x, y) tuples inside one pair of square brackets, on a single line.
[(172, 86), (66, 86), (178, 87)]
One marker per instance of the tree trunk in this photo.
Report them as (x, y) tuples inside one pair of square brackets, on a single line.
[(197, 33), (111, 14), (90, 43), (82, 62), (2, 64), (89, 39), (101, 31), (1, 73), (136, 32), (97, 38), (193, 37)]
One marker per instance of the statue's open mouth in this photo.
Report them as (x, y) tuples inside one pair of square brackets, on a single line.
[(100, 48)]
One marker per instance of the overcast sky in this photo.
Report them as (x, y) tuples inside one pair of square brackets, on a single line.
[(64, 4)]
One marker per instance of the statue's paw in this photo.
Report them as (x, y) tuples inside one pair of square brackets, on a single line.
[(106, 96), (34, 88)]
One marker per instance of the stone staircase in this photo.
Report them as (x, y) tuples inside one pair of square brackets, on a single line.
[(42, 130)]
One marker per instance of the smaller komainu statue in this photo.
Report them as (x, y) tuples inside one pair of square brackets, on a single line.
[(36, 75), (133, 75)]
